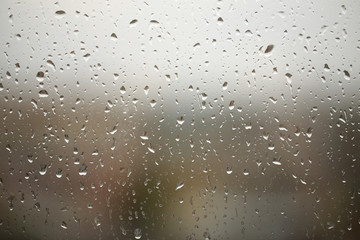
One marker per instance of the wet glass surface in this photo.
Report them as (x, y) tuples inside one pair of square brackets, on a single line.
[(180, 120)]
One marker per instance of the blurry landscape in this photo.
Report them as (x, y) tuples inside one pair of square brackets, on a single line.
[(179, 120)]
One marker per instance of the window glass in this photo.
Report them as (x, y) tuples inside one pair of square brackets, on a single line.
[(203, 119)]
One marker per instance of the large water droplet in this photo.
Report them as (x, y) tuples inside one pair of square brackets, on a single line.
[(43, 93)]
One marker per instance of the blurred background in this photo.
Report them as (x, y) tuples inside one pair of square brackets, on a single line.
[(179, 119)]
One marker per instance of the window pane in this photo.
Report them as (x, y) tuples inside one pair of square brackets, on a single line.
[(180, 119)]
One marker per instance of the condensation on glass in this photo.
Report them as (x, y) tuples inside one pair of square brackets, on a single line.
[(180, 119)]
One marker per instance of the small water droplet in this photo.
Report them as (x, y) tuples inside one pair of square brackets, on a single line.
[(60, 14), (179, 185), (231, 104), (196, 45), (225, 85), (146, 90), (86, 57), (268, 50), (97, 221), (137, 233), (273, 100), (144, 136), (181, 120), (154, 23), (151, 148), (59, 173), (37, 206), (153, 103), (288, 77), (122, 90), (133, 22), (64, 225), (330, 225), (34, 103), (8, 147), (40, 76), (229, 170), (248, 33), (83, 170), (248, 126), (276, 161), (43, 169), (114, 37)]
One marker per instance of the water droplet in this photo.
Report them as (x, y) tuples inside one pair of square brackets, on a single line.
[(59, 173), (248, 33), (40, 76), (43, 169), (137, 233), (43, 93), (122, 90), (196, 45), (153, 103), (276, 161), (60, 14), (268, 50), (86, 57), (113, 131), (248, 126), (288, 77), (180, 120), (8, 147), (154, 23), (114, 37), (97, 221), (83, 170), (309, 132), (133, 22), (225, 85), (229, 170), (144, 136), (232, 105), (273, 100), (146, 90), (271, 146), (330, 225), (66, 138), (37, 206), (179, 185), (64, 225), (34, 103), (51, 64)]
